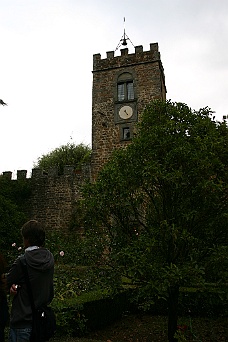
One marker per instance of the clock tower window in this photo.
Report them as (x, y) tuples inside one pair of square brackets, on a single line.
[(126, 132), (125, 91), (125, 87), (130, 91)]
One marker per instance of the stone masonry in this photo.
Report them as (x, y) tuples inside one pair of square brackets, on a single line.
[(149, 82)]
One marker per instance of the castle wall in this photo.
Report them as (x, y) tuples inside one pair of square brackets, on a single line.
[(53, 197)]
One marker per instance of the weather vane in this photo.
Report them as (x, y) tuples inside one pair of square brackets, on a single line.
[(124, 38)]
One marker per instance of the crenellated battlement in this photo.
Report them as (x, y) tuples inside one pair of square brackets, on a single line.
[(140, 56), (68, 170), (52, 195)]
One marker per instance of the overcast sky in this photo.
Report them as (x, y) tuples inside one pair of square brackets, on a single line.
[(46, 61)]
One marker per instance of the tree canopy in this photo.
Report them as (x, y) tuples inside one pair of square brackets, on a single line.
[(161, 204), (69, 154)]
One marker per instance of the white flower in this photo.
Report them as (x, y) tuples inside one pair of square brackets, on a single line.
[(61, 253), (14, 244), (19, 248)]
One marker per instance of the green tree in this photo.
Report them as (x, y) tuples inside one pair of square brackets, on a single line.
[(161, 204), (13, 195), (69, 154)]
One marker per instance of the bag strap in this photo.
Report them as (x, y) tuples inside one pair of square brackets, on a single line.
[(28, 284)]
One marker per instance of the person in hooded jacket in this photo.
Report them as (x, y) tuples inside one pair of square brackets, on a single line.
[(40, 263)]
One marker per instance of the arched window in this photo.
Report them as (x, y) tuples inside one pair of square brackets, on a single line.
[(125, 87)]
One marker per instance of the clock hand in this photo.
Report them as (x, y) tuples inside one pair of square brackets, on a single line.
[(126, 111)]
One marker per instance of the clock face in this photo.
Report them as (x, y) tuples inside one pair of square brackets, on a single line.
[(125, 112)]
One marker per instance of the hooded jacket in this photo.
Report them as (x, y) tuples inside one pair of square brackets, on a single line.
[(40, 263)]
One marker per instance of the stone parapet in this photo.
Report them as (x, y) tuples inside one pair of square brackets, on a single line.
[(125, 58)]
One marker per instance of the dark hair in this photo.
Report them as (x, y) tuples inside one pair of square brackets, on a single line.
[(34, 233)]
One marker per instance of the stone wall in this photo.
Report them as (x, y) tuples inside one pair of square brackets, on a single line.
[(53, 197), (149, 84)]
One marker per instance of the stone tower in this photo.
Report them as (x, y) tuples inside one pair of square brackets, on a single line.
[(122, 87)]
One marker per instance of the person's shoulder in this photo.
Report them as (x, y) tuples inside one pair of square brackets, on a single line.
[(44, 250), (21, 259), (40, 258)]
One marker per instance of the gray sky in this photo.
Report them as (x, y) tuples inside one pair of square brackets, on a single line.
[(46, 60)]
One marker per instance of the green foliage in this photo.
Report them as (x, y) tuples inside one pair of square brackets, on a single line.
[(161, 203), (12, 215), (69, 154), (73, 256), (78, 249), (71, 293), (179, 335), (212, 301), (69, 318), (15, 190)]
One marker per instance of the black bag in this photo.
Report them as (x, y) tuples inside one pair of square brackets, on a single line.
[(44, 324), (43, 318)]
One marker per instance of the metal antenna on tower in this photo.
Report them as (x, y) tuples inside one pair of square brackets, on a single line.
[(124, 38)]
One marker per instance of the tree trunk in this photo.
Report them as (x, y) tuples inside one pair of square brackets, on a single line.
[(172, 312)]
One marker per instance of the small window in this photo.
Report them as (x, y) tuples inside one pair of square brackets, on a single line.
[(130, 91), (125, 91), (121, 92), (125, 87), (126, 133)]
